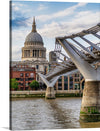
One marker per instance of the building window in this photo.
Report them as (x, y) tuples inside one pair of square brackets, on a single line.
[(37, 66), (21, 88), (71, 78), (45, 69), (32, 74), (26, 79), (77, 86), (17, 79), (26, 84), (65, 86), (21, 74), (30, 79), (59, 86), (76, 80), (20, 84), (76, 75), (37, 78), (26, 74), (27, 53), (26, 88), (21, 79), (65, 79)]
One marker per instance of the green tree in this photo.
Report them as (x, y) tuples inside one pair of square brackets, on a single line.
[(34, 84), (14, 84)]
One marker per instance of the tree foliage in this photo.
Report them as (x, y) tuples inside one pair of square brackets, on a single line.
[(14, 84), (34, 84)]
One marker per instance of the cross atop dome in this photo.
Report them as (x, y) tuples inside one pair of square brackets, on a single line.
[(34, 25)]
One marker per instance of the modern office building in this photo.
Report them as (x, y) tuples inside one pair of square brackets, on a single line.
[(71, 82)]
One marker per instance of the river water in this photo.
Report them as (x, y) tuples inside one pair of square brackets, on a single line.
[(39, 113)]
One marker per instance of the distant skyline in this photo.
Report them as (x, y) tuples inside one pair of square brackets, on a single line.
[(52, 19)]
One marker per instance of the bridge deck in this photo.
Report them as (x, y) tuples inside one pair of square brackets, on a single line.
[(87, 54)]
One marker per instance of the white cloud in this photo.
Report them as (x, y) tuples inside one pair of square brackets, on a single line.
[(42, 7), (82, 20), (15, 7), (16, 52), (18, 6), (18, 39), (47, 54), (19, 35), (63, 13), (13, 4)]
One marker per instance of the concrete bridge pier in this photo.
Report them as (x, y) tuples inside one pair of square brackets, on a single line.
[(90, 107), (50, 93)]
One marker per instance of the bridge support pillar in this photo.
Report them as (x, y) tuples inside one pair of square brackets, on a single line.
[(90, 108), (50, 93)]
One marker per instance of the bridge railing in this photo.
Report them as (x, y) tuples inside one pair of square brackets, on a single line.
[(87, 53)]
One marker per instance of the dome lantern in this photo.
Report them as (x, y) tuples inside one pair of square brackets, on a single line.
[(34, 25)]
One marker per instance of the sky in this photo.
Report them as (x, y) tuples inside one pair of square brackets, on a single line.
[(53, 19)]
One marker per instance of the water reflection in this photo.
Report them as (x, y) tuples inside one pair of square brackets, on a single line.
[(62, 115), (31, 114)]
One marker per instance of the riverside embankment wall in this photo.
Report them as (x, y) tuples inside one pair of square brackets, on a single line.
[(59, 93)]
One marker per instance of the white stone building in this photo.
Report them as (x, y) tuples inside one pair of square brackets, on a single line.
[(34, 52)]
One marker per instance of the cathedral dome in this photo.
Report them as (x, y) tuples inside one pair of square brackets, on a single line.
[(33, 46), (33, 37)]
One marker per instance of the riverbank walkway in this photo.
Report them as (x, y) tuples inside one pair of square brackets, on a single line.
[(41, 93)]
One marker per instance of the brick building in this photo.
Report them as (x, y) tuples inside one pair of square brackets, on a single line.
[(24, 75)]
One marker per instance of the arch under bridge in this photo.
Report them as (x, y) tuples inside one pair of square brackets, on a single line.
[(78, 57)]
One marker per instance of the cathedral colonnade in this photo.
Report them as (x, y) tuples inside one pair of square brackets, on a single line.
[(34, 53)]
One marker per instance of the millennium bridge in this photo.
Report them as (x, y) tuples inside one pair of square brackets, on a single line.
[(78, 58)]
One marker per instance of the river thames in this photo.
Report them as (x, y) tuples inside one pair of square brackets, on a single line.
[(39, 113)]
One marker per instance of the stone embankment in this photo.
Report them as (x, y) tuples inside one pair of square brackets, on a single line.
[(41, 94)]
